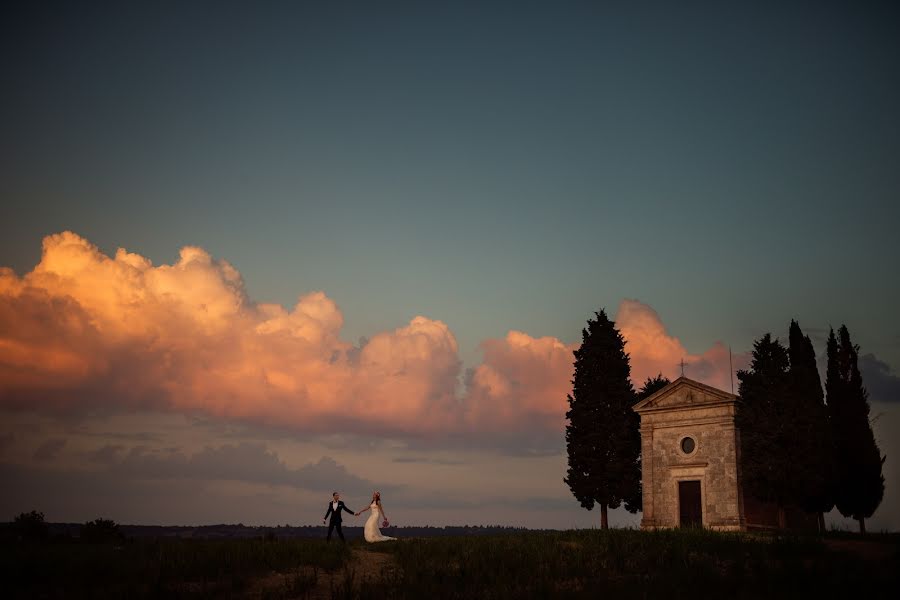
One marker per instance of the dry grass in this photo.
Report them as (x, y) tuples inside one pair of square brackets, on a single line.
[(573, 564)]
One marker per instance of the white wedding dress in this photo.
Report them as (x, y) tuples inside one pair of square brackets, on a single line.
[(372, 533)]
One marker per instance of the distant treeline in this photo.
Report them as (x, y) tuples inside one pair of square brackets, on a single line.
[(112, 531)]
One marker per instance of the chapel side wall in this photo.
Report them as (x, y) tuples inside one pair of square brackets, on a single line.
[(764, 516), (713, 463)]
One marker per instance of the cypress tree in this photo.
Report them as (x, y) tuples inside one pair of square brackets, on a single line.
[(764, 421), (858, 461), (602, 436), (813, 449)]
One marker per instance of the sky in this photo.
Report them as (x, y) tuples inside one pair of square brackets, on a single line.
[(252, 252)]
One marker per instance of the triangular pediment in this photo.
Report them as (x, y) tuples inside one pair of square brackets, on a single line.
[(684, 392)]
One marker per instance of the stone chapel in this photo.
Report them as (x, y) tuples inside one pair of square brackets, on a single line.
[(691, 458), (691, 461)]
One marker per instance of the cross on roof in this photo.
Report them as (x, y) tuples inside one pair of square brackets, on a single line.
[(682, 367)]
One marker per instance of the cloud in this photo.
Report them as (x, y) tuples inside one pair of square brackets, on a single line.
[(86, 333), (430, 461), (653, 350), (245, 462), (521, 384), (881, 383), (106, 454), (49, 449), (76, 496), (250, 469)]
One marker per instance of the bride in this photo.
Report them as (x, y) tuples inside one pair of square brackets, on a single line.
[(372, 533)]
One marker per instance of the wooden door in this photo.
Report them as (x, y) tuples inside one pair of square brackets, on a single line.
[(689, 504)]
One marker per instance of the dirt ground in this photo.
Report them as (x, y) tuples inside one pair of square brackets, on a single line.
[(316, 584), (366, 565), (868, 550)]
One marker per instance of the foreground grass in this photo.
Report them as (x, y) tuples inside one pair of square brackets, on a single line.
[(630, 564), (162, 568), (572, 564)]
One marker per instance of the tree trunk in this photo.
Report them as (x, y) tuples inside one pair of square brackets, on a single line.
[(604, 522), (782, 518), (862, 525)]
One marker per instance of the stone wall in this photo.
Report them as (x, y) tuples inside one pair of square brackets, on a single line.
[(764, 515), (706, 416)]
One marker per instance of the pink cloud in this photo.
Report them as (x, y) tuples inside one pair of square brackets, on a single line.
[(522, 382), (654, 351), (84, 331)]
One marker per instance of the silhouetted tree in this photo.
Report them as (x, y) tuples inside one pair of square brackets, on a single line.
[(812, 440), (602, 437), (765, 423), (652, 385), (30, 526), (101, 531), (858, 461)]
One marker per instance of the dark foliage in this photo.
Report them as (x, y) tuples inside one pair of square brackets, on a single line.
[(101, 531), (30, 526), (162, 568), (70, 531), (764, 418), (652, 385), (561, 564), (628, 564), (813, 445), (857, 459), (602, 435)]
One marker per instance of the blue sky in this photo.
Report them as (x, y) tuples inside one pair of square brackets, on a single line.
[(495, 166), (511, 166)]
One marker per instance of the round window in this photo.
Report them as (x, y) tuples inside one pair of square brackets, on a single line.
[(688, 445)]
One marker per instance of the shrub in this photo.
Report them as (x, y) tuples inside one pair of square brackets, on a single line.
[(101, 531), (30, 526)]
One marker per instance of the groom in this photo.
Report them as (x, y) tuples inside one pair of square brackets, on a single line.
[(334, 509)]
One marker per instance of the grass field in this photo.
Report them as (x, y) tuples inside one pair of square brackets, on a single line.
[(632, 564), (573, 564), (164, 568)]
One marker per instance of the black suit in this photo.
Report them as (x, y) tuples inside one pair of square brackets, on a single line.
[(335, 522)]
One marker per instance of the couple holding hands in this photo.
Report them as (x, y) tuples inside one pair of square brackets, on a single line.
[(372, 532)]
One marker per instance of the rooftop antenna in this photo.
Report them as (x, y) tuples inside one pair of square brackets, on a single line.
[(731, 370)]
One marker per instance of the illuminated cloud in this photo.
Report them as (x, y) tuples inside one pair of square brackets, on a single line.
[(85, 332), (522, 383), (654, 351)]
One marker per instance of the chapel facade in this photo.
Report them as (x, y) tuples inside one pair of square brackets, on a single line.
[(690, 451)]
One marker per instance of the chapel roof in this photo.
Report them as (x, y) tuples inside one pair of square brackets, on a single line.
[(707, 394)]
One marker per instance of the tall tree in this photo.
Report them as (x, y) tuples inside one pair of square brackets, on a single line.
[(763, 418), (812, 441), (602, 437), (858, 461)]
